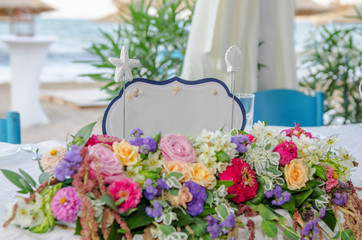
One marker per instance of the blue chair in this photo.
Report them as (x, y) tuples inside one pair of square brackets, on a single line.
[(284, 107), (10, 128)]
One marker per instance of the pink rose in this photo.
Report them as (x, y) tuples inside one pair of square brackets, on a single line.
[(110, 166), (177, 148)]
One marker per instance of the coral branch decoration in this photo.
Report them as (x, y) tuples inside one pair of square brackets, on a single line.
[(177, 187)]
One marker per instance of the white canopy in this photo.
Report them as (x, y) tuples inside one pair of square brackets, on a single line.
[(218, 24)]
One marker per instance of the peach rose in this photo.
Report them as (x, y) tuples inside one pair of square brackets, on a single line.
[(296, 174), (184, 196), (178, 166), (127, 153), (202, 175)]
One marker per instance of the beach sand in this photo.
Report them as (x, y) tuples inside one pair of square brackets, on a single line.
[(63, 119)]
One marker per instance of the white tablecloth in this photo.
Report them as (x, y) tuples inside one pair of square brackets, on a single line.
[(350, 135)]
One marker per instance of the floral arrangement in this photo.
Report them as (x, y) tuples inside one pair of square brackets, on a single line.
[(175, 187)]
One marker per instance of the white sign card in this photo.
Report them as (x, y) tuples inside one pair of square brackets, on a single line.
[(173, 106)]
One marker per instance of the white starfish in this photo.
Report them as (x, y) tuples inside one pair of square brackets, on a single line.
[(124, 65)]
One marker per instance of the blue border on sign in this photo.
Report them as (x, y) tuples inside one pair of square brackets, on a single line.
[(165, 82)]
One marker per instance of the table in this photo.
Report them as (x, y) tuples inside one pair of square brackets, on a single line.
[(27, 56), (350, 139)]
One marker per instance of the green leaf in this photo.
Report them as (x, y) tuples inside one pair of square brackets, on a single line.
[(230, 196), (225, 183), (301, 197), (269, 228), (330, 219), (43, 177), (157, 138), (320, 172), (199, 227), (28, 178), (138, 218), (173, 191), (291, 234), (85, 132), (222, 157), (168, 219), (78, 227), (109, 201), (26, 185), (113, 232), (268, 147), (120, 201), (14, 178), (347, 235), (260, 193), (167, 230), (267, 213), (177, 175), (209, 198), (290, 206), (222, 211), (183, 219)]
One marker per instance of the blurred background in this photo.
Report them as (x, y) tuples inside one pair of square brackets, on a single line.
[(89, 31)]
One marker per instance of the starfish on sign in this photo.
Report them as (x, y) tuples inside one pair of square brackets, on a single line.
[(124, 65), (176, 90)]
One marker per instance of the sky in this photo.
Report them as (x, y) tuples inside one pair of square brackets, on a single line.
[(94, 9)]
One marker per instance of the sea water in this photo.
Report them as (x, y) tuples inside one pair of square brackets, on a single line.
[(75, 35)]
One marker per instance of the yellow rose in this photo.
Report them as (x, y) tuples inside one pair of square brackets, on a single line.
[(127, 153), (202, 175), (296, 174), (177, 166)]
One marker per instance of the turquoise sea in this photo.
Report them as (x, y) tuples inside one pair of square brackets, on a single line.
[(75, 35)]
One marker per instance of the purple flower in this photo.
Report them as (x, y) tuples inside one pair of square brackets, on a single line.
[(213, 227), (228, 223), (280, 197), (240, 141), (340, 198), (70, 165), (199, 195), (156, 211), (137, 132), (161, 185), (149, 181), (150, 192), (145, 145), (310, 228)]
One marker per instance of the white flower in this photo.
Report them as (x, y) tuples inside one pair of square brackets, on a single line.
[(23, 216), (134, 173), (331, 141), (153, 160), (209, 143)]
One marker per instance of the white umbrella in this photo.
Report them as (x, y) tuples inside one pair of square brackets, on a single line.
[(8, 8), (218, 24)]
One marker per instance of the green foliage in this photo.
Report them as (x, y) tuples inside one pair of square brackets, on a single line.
[(333, 62), (23, 181), (82, 136), (158, 41)]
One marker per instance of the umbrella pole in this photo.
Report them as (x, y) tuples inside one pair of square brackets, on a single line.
[(11, 21)]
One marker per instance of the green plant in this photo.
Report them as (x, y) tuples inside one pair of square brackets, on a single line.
[(333, 62), (158, 41)]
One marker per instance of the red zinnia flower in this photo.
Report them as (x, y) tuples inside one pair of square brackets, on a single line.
[(287, 151), (245, 185)]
